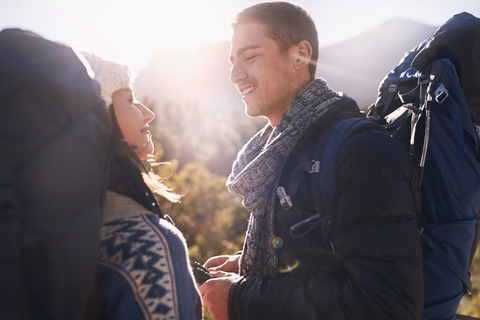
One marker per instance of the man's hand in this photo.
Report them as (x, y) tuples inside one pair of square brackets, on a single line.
[(223, 263), (215, 293)]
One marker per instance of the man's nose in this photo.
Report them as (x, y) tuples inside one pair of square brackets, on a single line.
[(237, 73)]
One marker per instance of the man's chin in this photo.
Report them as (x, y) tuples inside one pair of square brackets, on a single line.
[(251, 111)]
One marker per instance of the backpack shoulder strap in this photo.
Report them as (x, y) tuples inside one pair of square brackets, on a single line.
[(320, 130), (321, 168), (449, 262), (324, 184), (326, 153)]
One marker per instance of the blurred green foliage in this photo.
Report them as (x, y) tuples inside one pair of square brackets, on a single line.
[(212, 219)]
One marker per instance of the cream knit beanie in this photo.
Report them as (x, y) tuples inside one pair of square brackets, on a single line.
[(111, 75)]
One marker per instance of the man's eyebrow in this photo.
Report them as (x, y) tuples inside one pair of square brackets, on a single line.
[(242, 50)]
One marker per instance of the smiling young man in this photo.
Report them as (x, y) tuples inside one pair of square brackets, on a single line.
[(371, 268), (267, 78)]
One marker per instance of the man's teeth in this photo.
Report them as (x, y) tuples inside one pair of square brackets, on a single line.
[(246, 91)]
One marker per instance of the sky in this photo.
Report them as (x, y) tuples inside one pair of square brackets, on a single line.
[(135, 31)]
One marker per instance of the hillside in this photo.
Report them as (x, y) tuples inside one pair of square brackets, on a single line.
[(355, 66), (358, 65)]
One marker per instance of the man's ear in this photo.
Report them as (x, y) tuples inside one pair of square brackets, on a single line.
[(304, 54)]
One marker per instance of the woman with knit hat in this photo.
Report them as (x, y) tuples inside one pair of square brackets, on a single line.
[(144, 270)]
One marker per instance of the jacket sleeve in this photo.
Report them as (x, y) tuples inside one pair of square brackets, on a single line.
[(376, 270)]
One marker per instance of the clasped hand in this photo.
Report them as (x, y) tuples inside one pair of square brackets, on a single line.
[(214, 291)]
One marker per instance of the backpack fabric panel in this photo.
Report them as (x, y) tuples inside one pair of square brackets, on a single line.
[(53, 153), (444, 128), (450, 200)]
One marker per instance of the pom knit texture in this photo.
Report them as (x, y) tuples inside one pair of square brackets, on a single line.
[(111, 76)]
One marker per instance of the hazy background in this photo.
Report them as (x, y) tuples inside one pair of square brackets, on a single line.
[(135, 31), (180, 50)]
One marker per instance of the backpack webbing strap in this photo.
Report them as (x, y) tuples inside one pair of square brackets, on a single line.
[(304, 165), (453, 266), (462, 317), (327, 156), (322, 128), (475, 241), (447, 260), (433, 312), (315, 175), (326, 223), (324, 186), (322, 131), (310, 165), (435, 75)]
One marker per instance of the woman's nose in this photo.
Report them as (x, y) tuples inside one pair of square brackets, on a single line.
[(148, 115)]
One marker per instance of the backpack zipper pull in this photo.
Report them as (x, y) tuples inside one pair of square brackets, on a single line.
[(285, 200)]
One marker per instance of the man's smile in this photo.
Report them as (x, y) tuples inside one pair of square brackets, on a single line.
[(244, 91)]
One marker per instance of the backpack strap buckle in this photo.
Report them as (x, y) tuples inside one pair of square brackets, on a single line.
[(285, 200), (441, 94), (315, 168)]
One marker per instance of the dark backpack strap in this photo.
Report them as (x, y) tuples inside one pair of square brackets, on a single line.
[(304, 165), (462, 317), (447, 260), (322, 171), (326, 153), (325, 182), (322, 128), (310, 165), (426, 107), (475, 241)]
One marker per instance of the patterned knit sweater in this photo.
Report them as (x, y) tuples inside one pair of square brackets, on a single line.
[(143, 267)]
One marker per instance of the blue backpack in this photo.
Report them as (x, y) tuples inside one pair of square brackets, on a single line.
[(56, 147), (54, 150), (430, 103)]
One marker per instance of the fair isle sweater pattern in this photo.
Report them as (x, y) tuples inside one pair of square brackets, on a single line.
[(134, 247)]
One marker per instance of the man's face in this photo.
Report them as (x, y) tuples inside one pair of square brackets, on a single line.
[(261, 73)]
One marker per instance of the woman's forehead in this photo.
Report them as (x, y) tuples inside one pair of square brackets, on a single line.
[(126, 91)]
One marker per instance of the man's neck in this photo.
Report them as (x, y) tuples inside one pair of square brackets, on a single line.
[(274, 119)]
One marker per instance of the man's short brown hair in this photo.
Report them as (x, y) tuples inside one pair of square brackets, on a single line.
[(286, 23)]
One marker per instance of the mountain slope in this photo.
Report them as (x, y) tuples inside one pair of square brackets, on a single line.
[(357, 66)]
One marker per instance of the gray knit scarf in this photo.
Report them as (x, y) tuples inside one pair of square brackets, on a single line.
[(257, 169)]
